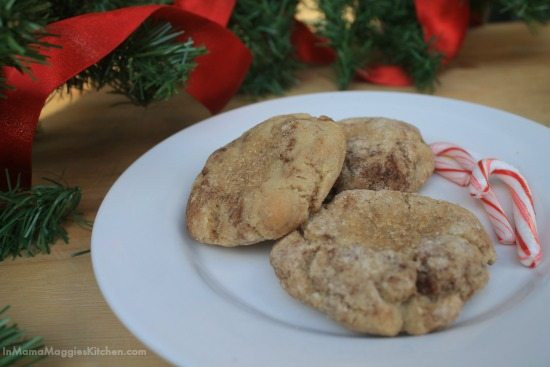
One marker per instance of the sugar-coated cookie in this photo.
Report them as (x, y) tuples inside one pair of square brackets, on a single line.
[(267, 182), (386, 262), (384, 154)]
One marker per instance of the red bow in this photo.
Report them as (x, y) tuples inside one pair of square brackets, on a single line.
[(445, 21), (86, 39)]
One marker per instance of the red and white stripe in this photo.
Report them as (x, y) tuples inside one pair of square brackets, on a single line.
[(453, 162), (457, 165), (527, 237)]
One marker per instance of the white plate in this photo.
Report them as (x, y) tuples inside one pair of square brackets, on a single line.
[(199, 305)]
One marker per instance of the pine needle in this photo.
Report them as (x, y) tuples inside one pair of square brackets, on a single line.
[(32, 220), (348, 31), (367, 33), (13, 339), (529, 11)]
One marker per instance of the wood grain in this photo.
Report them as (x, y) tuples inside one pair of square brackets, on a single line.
[(90, 140)]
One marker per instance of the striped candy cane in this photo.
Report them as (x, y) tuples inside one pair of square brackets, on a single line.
[(457, 165), (527, 237)]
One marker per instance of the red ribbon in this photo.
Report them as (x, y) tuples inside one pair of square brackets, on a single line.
[(309, 47), (391, 75), (86, 39), (444, 22)]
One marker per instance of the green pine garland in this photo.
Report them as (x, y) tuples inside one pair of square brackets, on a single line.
[(377, 32), (265, 26), (149, 66), (12, 338), (400, 41), (351, 39), (32, 220)]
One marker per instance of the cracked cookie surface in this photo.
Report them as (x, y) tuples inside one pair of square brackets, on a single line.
[(384, 154), (267, 182), (385, 262)]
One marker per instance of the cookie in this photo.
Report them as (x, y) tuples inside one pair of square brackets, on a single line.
[(384, 154), (267, 182), (385, 262)]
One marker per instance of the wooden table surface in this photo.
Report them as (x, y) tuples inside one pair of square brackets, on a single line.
[(89, 142)]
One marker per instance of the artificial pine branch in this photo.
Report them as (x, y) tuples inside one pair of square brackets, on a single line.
[(32, 220), (529, 11), (377, 32), (151, 65), (348, 32), (21, 28), (12, 338), (265, 27), (400, 41)]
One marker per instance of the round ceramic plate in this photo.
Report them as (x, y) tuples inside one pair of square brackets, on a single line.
[(198, 305)]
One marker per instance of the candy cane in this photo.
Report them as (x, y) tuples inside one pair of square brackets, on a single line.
[(527, 238), (456, 164)]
